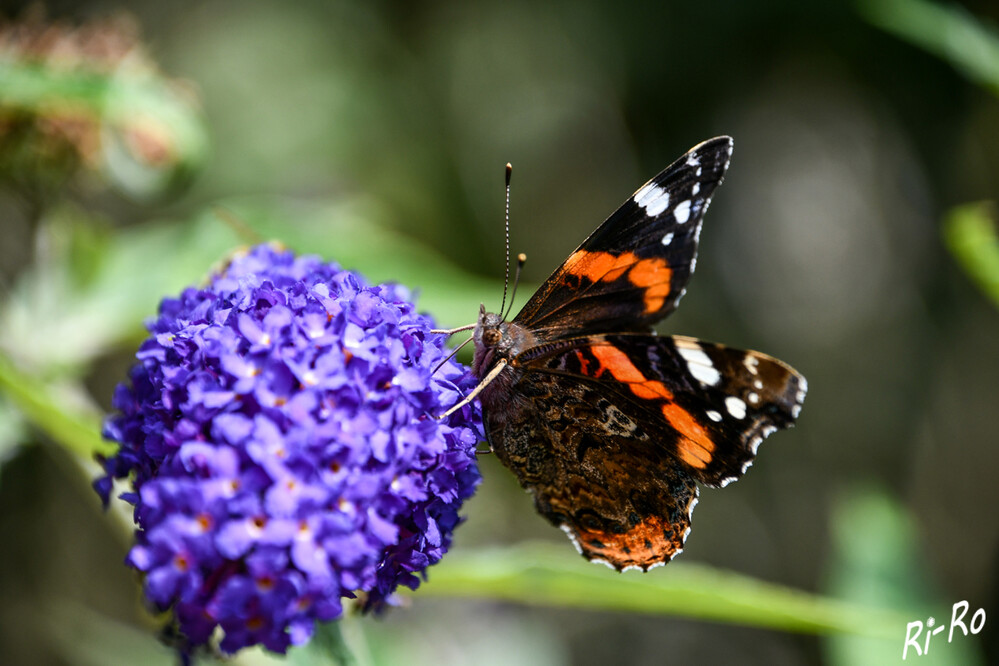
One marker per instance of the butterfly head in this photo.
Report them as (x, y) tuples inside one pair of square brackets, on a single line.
[(497, 340), (489, 341)]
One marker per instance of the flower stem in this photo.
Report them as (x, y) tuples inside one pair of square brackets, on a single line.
[(545, 575), (40, 403)]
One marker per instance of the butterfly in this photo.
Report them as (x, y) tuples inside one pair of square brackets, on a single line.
[(610, 426)]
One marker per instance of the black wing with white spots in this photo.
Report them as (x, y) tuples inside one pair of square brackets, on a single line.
[(633, 269)]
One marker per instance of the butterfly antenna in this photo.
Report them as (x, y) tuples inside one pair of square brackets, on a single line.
[(521, 260), (506, 276)]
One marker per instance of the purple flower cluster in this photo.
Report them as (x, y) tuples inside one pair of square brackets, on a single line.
[(279, 430)]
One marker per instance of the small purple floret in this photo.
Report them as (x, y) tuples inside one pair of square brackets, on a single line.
[(279, 432)]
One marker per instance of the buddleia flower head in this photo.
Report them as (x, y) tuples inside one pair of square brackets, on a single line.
[(279, 431)]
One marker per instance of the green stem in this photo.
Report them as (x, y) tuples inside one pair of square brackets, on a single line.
[(38, 402), (329, 647), (542, 575)]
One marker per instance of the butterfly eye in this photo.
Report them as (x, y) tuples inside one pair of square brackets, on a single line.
[(491, 337)]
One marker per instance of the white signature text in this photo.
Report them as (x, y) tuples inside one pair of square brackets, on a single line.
[(913, 630)]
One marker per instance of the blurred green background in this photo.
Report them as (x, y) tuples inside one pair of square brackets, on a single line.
[(375, 134)]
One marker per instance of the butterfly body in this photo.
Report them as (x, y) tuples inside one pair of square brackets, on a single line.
[(609, 426)]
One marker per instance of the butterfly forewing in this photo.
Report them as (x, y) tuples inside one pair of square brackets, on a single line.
[(633, 269)]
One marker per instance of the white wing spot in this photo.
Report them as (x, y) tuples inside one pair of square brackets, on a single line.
[(695, 189), (668, 238), (682, 211), (698, 363), (653, 199), (698, 172), (751, 362), (693, 159), (754, 398), (713, 415), (736, 407), (644, 194)]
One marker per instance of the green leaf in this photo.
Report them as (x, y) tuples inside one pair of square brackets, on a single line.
[(327, 648), (357, 234), (12, 430), (84, 636), (549, 575), (972, 236), (92, 294), (74, 304), (58, 413), (949, 32)]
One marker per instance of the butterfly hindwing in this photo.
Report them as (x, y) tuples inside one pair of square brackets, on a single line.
[(708, 406), (633, 269), (592, 469)]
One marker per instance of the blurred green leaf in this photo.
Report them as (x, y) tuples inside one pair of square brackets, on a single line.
[(327, 648), (550, 575), (875, 562), (90, 295), (971, 233), (86, 637), (12, 430), (949, 32), (357, 234), (83, 298), (57, 413)]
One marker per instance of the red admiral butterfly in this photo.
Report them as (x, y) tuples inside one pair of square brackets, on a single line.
[(608, 425)]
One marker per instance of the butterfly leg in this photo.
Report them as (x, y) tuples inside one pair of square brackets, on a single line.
[(493, 374)]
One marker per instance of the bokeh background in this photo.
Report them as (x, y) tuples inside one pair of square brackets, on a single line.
[(376, 134)]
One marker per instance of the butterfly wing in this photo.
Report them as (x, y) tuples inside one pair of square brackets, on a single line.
[(706, 405), (610, 433), (633, 269), (592, 469)]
